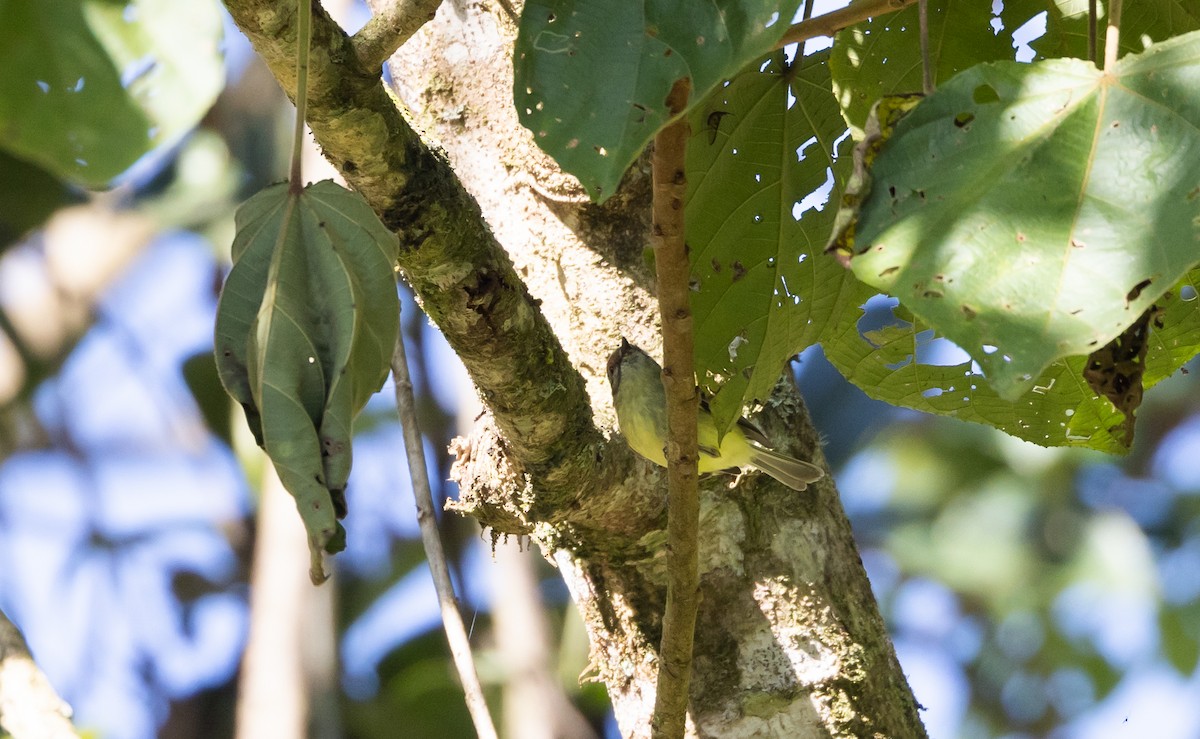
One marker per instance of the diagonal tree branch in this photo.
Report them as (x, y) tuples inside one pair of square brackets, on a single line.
[(394, 23), (464, 279)]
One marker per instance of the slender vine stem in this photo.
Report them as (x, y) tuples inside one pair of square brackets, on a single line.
[(828, 24), (923, 32), (1112, 35), (303, 42), (1092, 31), (452, 622), (679, 380)]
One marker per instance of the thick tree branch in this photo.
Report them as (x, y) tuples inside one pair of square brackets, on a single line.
[(683, 500), (393, 23), (828, 24), (29, 706), (464, 279)]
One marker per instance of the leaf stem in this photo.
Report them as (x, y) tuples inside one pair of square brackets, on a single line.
[(452, 622), (679, 381), (923, 32), (303, 42), (828, 24), (1112, 36), (1091, 31)]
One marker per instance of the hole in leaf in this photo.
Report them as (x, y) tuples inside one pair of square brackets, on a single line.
[(962, 120)]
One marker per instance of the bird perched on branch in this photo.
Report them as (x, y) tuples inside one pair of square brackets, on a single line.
[(641, 404)]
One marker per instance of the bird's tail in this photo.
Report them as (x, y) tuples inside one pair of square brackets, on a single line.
[(794, 473)]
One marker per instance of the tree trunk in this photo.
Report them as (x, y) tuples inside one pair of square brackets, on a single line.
[(789, 639)]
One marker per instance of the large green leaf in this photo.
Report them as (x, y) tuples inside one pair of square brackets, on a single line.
[(762, 162), (1032, 212), (882, 56), (91, 85), (896, 361), (591, 79), (305, 327)]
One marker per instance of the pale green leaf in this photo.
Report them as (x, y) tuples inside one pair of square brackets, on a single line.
[(1032, 212), (591, 79), (304, 335)]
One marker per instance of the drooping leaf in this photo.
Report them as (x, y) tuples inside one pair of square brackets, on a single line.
[(304, 335), (763, 163), (1032, 212), (882, 56), (591, 79), (91, 85)]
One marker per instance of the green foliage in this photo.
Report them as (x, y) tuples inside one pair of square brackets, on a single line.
[(591, 79), (28, 195), (763, 148), (1032, 212), (305, 329), (91, 85), (882, 56), (1142, 23)]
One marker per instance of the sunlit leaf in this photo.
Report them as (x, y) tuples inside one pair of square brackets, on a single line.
[(1032, 212), (305, 327), (591, 79)]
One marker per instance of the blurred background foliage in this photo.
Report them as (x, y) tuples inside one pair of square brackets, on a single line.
[(1030, 591)]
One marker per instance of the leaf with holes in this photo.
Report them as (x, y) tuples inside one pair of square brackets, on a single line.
[(763, 163), (892, 356), (304, 333), (591, 79), (91, 85), (1032, 212), (882, 56)]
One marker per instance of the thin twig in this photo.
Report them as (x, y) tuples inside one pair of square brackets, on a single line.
[(1112, 36), (393, 23), (303, 42), (808, 8), (456, 632), (923, 32), (828, 24), (1092, 31), (29, 706), (679, 380)]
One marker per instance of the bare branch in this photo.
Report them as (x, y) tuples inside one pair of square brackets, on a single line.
[(456, 632), (828, 24), (29, 706), (393, 23), (683, 500)]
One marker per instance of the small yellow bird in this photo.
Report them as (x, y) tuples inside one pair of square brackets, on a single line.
[(641, 404)]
